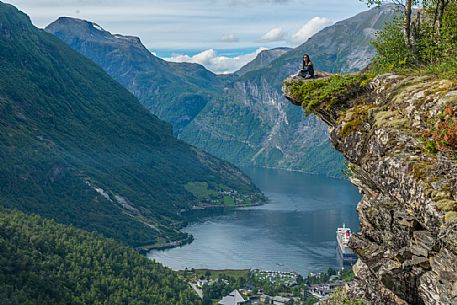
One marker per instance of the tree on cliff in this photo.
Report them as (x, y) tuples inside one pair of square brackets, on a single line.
[(407, 6), (425, 38), (440, 7)]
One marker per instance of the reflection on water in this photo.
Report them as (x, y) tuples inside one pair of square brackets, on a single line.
[(294, 232)]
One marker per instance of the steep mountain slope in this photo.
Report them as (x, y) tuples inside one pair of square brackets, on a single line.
[(273, 132), (79, 148), (263, 59), (46, 263), (341, 48), (243, 117), (176, 93)]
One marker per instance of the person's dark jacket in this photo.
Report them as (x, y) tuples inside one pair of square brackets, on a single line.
[(307, 70)]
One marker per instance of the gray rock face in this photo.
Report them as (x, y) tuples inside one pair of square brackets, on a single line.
[(407, 246)]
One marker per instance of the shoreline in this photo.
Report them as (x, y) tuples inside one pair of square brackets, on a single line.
[(337, 177), (230, 207), (145, 249), (173, 244)]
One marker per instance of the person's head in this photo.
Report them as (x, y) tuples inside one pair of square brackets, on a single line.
[(306, 59)]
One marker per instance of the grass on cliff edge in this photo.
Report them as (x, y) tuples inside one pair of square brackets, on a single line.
[(328, 92)]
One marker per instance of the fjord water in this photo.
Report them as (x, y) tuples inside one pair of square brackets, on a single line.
[(294, 232)]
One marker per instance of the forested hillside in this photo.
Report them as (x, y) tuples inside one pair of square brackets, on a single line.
[(77, 147), (42, 262)]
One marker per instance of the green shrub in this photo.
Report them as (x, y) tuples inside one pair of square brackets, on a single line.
[(430, 146), (340, 297), (393, 54), (434, 48)]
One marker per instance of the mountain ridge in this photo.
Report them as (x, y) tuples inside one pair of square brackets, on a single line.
[(264, 58), (242, 118), (77, 147), (130, 63)]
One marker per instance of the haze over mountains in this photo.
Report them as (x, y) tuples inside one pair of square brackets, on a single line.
[(77, 147), (242, 117)]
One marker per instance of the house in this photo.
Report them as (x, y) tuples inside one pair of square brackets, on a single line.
[(265, 299), (322, 291), (234, 298), (279, 300), (201, 283)]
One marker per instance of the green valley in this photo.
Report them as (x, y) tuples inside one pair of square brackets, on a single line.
[(75, 146)]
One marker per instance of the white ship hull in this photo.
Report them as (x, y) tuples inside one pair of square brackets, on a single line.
[(345, 254)]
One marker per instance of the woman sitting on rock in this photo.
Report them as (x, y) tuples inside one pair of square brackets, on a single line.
[(307, 70)]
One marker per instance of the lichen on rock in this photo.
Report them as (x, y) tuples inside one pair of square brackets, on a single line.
[(407, 246)]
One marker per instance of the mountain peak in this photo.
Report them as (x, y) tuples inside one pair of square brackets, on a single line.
[(80, 22), (88, 30), (263, 59), (12, 20), (78, 27)]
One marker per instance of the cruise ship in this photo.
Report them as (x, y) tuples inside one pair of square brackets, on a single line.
[(345, 254)]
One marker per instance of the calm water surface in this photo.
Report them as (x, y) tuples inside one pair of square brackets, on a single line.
[(295, 232)]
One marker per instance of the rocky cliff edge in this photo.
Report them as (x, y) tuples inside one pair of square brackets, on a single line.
[(399, 135)]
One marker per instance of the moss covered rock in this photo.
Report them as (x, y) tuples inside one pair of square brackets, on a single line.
[(397, 132)]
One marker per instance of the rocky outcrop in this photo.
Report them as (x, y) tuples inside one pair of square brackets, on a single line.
[(407, 246)]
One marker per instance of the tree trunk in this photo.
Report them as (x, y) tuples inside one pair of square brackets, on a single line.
[(407, 23), (415, 30), (435, 16), (439, 20)]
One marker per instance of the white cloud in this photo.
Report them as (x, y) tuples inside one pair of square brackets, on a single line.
[(309, 29), (229, 38), (197, 24), (216, 63), (275, 34)]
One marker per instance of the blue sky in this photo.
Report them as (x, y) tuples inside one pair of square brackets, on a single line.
[(201, 25)]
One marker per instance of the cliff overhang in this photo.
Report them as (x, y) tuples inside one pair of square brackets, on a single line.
[(397, 134)]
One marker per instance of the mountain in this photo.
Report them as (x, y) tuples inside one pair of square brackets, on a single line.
[(341, 48), (263, 59), (242, 117), (46, 263), (287, 139), (176, 93), (259, 126), (75, 146)]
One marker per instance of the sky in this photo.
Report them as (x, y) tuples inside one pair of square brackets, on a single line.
[(222, 35)]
